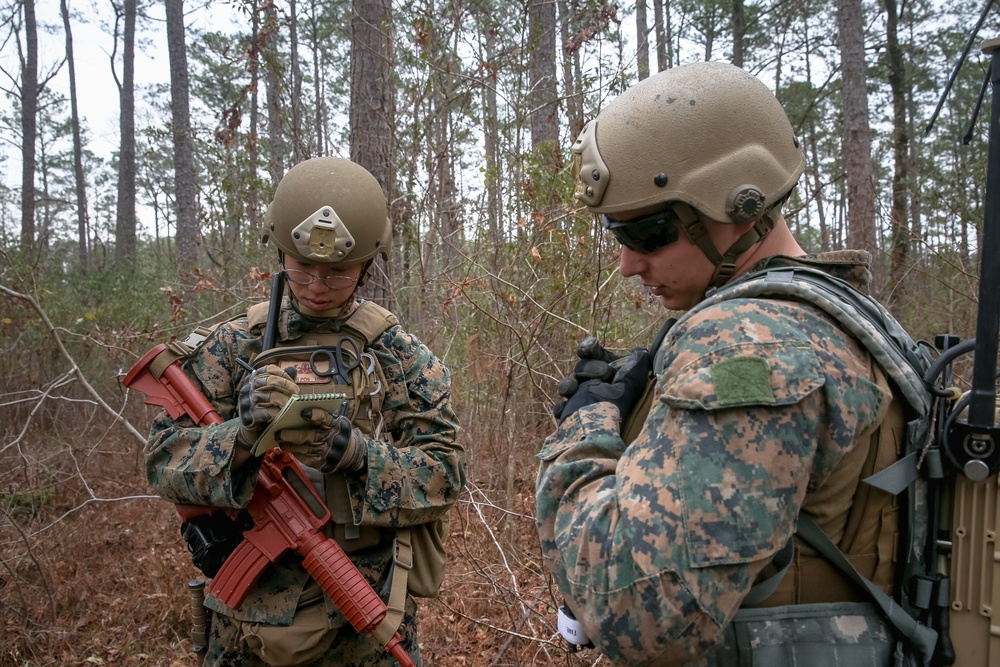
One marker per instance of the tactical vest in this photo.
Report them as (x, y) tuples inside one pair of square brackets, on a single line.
[(814, 589), (365, 393), (419, 554)]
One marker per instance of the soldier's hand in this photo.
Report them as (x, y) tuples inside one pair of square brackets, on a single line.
[(332, 441), (624, 390), (263, 394), (595, 363)]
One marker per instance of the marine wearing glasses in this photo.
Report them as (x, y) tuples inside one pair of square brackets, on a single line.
[(300, 277)]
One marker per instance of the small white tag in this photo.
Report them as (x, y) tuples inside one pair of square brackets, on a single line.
[(570, 628)]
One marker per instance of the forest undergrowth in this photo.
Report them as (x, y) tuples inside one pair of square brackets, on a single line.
[(94, 571)]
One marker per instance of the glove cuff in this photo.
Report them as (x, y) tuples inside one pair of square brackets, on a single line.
[(243, 440), (356, 456)]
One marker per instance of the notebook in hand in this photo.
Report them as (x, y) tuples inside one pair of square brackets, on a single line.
[(290, 416)]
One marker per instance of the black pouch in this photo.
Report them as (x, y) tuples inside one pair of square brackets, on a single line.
[(211, 538)]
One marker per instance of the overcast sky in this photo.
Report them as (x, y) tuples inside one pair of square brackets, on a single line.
[(97, 93)]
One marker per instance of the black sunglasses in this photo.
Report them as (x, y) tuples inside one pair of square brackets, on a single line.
[(648, 233)]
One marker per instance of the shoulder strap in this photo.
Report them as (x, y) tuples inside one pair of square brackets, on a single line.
[(862, 316), (402, 563), (257, 314), (923, 638), (371, 321)]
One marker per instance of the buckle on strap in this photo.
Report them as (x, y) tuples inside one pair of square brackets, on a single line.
[(723, 272), (403, 551)]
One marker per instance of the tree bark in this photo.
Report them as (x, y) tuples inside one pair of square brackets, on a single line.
[(543, 99), (901, 177), (642, 39), (82, 219), (739, 31), (443, 185), (29, 123), (542, 93), (272, 83), (253, 66), (661, 37), (574, 99), (319, 119), (491, 135), (857, 130), (372, 115), (299, 148), (125, 228), (184, 174)]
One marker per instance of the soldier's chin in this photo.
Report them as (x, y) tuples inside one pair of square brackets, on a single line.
[(335, 311)]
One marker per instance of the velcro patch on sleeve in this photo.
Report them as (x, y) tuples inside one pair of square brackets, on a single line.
[(742, 381), (773, 373)]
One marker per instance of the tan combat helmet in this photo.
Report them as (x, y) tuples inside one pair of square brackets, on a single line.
[(329, 210), (709, 137)]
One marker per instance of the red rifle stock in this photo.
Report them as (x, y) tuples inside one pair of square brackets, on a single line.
[(287, 514)]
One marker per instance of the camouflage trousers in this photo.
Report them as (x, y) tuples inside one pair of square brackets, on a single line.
[(807, 635), (230, 645)]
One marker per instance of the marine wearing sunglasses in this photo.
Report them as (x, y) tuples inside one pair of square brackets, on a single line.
[(648, 233)]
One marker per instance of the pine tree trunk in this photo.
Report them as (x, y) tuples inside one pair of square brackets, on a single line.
[(373, 115), (857, 131), (900, 236), (642, 39), (29, 124), (82, 218), (125, 228), (184, 176), (272, 84)]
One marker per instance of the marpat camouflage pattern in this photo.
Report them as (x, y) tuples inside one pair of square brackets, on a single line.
[(414, 474), (758, 402)]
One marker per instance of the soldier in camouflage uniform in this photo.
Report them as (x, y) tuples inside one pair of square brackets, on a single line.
[(406, 470), (761, 408)]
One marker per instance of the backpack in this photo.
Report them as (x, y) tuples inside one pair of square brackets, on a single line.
[(905, 362)]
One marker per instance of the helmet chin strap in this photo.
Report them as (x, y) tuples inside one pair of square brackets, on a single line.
[(363, 277), (725, 263)]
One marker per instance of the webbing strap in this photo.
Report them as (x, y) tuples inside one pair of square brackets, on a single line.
[(764, 589), (402, 563), (921, 637), (896, 477)]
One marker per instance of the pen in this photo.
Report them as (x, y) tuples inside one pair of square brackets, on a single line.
[(245, 364)]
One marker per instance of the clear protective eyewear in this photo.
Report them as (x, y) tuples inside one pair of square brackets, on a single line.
[(300, 277), (647, 234)]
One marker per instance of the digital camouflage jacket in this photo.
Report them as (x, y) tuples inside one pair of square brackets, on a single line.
[(759, 403), (414, 473)]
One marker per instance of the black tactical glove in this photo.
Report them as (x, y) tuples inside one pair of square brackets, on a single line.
[(624, 390), (262, 396), (332, 442), (595, 363)]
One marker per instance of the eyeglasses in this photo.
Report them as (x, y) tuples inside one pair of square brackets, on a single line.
[(648, 233), (300, 277)]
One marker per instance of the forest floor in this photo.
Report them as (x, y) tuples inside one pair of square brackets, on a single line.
[(93, 571)]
